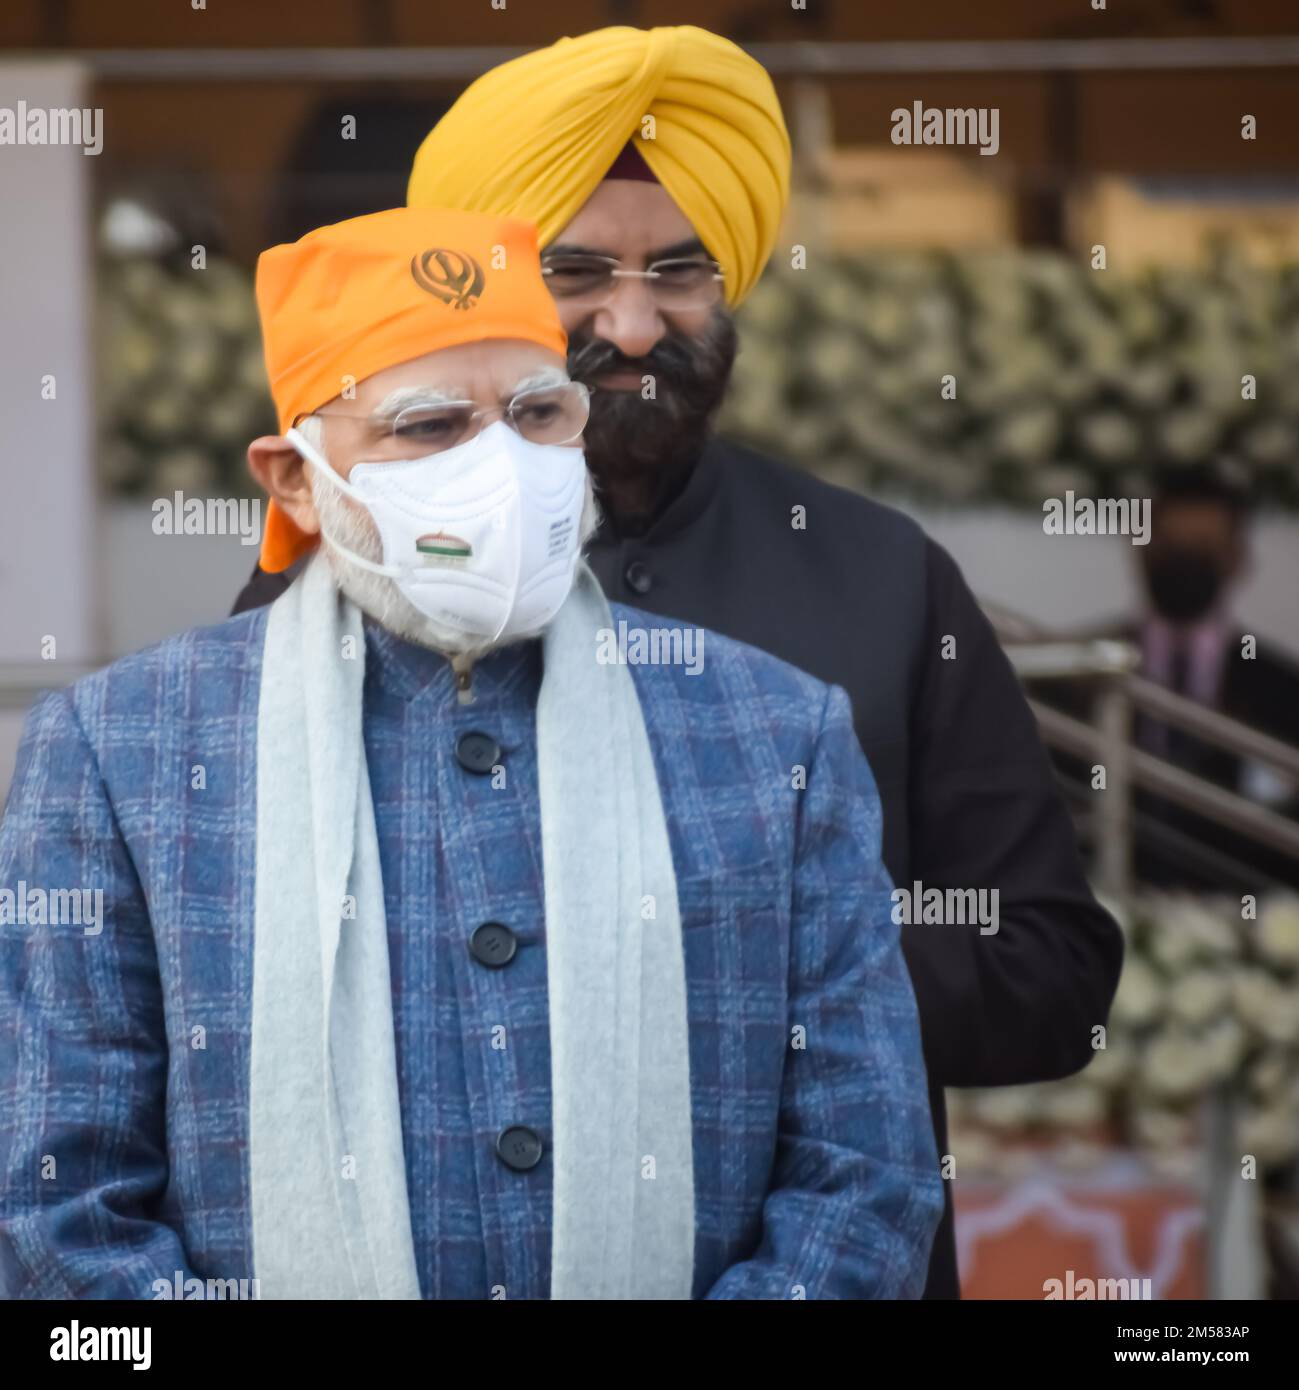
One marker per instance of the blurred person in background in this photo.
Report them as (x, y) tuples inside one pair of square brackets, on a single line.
[(1192, 643), (354, 1020), (656, 165)]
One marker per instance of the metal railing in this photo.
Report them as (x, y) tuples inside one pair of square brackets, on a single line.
[(1234, 1256), (1040, 655)]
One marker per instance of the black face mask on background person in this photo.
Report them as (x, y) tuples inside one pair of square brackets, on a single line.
[(1184, 583), (640, 451)]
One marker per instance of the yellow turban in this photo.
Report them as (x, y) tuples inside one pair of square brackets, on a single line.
[(535, 136)]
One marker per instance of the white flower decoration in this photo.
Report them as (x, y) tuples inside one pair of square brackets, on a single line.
[(1278, 931)]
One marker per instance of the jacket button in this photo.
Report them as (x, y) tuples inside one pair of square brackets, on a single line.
[(493, 944), (519, 1147), (477, 753), (638, 577)]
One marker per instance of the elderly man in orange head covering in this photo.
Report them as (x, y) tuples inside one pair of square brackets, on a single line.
[(410, 341), (463, 935)]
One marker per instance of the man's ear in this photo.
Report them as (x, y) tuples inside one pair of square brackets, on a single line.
[(278, 467)]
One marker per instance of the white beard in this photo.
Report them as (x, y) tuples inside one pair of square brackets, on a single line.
[(378, 596)]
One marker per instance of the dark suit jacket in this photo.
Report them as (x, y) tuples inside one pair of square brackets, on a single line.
[(859, 597)]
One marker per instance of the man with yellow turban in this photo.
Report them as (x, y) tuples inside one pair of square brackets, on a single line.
[(656, 167), (460, 935)]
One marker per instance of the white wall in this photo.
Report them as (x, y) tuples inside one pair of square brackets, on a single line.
[(49, 556), (1077, 581), (158, 584)]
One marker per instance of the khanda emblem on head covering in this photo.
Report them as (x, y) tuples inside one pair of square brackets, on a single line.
[(454, 277)]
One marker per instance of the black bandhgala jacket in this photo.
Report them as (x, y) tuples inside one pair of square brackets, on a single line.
[(854, 593)]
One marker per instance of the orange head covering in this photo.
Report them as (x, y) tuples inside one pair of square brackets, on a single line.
[(346, 301)]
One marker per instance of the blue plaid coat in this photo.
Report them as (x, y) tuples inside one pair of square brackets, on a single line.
[(124, 1053)]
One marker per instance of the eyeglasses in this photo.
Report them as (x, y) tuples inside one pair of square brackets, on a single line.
[(690, 282), (545, 415)]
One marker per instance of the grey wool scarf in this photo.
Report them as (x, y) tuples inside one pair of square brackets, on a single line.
[(330, 1211)]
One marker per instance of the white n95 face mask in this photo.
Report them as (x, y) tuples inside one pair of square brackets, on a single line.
[(483, 537)]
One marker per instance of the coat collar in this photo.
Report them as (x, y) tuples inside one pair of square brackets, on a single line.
[(408, 670)]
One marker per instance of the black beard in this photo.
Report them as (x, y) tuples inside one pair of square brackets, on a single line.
[(641, 451)]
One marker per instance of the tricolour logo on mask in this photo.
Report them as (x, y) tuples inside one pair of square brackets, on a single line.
[(454, 277), (442, 548)]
